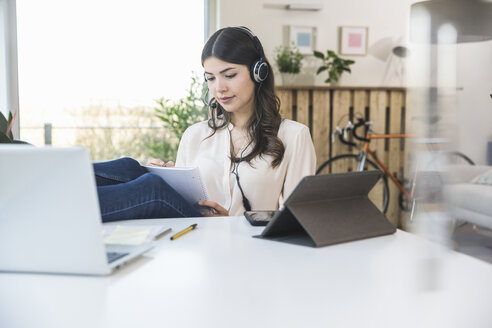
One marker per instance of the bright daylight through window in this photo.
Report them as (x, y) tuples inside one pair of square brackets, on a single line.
[(91, 72)]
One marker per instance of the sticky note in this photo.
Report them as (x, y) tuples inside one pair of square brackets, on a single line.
[(128, 235)]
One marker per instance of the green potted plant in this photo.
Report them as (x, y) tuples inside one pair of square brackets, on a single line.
[(334, 65), (6, 125), (289, 62), (177, 116), (6, 128)]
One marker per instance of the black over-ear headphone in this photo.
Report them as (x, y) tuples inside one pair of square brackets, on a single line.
[(259, 69)]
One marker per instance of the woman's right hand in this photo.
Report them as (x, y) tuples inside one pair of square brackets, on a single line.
[(215, 207), (159, 162)]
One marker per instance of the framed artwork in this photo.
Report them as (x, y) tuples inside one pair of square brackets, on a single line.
[(304, 38), (353, 40)]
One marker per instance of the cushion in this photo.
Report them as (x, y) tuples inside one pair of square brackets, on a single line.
[(484, 178), (472, 197)]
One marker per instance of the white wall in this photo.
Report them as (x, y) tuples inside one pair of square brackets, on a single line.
[(387, 21)]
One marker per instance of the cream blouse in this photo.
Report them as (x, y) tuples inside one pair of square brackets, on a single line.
[(265, 187)]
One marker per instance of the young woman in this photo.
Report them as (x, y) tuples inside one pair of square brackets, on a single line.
[(248, 156)]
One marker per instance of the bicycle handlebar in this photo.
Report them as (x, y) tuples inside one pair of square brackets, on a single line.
[(360, 122), (342, 139), (342, 134)]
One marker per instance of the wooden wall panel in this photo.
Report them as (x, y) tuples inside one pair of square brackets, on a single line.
[(322, 108), (377, 115), (395, 161), (285, 97), (340, 112), (360, 103), (303, 107), (321, 125)]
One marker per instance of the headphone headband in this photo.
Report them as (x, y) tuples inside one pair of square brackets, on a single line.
[(253, 37), (259, 69)]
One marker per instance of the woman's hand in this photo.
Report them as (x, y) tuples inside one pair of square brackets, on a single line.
[(219, 210), (159, 162)]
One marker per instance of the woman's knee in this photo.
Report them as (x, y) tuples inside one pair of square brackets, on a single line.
[(124, 169), (127, 162)]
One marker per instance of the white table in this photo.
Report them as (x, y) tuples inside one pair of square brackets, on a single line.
[(218, 276)]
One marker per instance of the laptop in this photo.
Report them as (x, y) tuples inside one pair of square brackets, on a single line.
[(329, 209), (49, 214)]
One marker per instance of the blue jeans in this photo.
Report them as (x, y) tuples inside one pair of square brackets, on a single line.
[(127, 191)]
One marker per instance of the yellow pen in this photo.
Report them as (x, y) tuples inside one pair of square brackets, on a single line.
[(182, 232)]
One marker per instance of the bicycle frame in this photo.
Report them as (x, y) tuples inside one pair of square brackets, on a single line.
[(366, 149)]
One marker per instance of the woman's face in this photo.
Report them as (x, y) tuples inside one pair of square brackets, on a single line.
[(231, 85)]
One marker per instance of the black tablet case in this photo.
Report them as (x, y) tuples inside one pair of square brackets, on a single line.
[(329, 209)]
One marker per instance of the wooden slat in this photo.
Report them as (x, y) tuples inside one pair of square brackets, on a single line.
[(303, 107), (341, 110), (377, 115), (395, 160), (285, 97), (338, 87), (377, 112), (361, 101), (415, 106), (321, 125)]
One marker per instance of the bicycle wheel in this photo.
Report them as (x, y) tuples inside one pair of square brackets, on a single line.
[(455, 158), (348, 163)]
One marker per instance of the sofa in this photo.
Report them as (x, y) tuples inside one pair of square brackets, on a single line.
[(468, 199)]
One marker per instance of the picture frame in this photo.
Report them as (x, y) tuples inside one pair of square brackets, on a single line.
[(303, 37), (353, 40)]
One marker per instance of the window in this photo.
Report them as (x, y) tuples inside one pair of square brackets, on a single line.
[(92, 70)]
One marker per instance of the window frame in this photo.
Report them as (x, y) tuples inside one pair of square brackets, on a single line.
[(9, 84)]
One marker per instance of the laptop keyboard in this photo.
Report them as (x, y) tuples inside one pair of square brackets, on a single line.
[(113, 256)]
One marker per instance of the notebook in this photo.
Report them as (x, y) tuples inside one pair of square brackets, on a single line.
[(49, 214), (185, 180), (329, 209)]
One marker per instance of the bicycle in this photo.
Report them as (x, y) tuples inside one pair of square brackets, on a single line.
[(360, 161)]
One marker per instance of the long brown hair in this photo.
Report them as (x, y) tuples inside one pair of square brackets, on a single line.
[(234, 45)]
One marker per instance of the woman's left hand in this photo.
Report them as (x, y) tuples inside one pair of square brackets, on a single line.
[(159, 162), (219, 210)]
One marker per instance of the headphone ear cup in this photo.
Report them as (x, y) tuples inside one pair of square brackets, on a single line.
[(259, 71)]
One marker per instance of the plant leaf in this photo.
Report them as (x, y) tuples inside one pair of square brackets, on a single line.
[(3, 123), (4, 138), (318, 54), (9, 128), (321, 69), (288, 59)]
